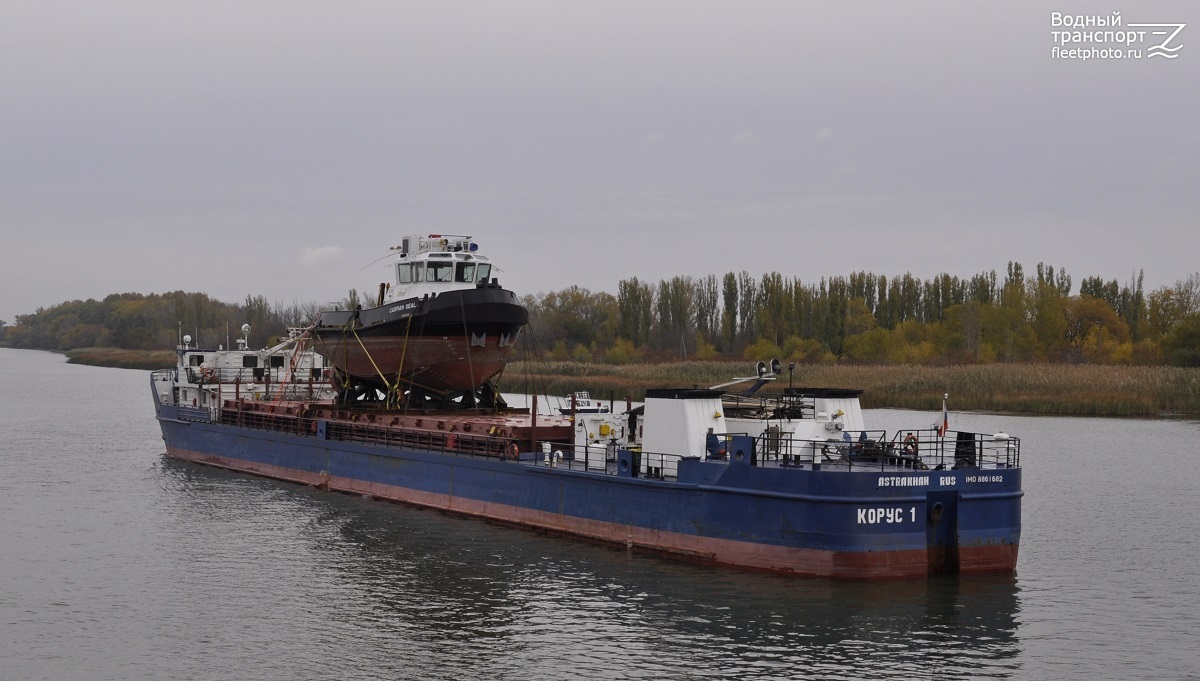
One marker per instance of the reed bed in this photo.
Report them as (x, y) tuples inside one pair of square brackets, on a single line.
[(1066, 389), (123, 359)]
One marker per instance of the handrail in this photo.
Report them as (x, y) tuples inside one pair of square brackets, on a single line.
[(863, 451), (855, 451), (449, 442)]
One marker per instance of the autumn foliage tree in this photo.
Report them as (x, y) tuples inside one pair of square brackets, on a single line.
[(872, 318), (864, 317)]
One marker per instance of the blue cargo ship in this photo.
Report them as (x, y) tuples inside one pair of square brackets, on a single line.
[(791, 483)]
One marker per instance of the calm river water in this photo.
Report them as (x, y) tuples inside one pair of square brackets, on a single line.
[(116, 563)]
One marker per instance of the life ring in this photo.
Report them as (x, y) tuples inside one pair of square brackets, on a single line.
[(510, 452), (910, 444)]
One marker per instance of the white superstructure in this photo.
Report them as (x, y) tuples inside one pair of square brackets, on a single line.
[(206, 377), (433, 264)]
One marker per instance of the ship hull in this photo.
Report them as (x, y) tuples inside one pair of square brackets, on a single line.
[(457, 341), (822, 523)]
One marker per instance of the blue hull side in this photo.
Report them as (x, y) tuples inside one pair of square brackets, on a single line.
[(828, 523)]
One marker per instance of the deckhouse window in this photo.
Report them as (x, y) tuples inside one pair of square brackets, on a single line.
[(441, 271), (407, 273), (465, 272), (485, 271)]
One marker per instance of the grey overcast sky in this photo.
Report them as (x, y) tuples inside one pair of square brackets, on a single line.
[(277, 147)]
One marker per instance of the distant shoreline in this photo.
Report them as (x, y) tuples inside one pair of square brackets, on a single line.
[(1046, 389), (117, 358), (1049, 389)]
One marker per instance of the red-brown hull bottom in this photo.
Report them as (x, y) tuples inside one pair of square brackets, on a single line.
[(994, 558), (771, 558), (434, 362)]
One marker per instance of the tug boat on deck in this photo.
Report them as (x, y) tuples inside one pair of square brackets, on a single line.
[(791, 483), (437, 335)]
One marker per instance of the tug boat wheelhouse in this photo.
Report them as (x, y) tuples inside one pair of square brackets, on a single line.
[(437, 335)]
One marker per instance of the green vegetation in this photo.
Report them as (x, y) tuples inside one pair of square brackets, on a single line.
[(872, 319), (1070, 389), (1010, 343), (133, 321), (123, 359)]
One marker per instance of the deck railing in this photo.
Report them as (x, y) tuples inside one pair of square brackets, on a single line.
[(915, 450), (446, 442), (919, 449)]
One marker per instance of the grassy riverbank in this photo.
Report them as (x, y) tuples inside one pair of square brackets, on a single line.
[(1067, 389), (123, 359)]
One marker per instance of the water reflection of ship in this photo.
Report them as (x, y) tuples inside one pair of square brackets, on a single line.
[(471, 581), (476, 600)]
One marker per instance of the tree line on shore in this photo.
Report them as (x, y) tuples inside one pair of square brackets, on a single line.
[(155, 321), (867, 318), (861, 319)]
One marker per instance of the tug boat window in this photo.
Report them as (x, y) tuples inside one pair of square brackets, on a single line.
[(407, 273), (441, 271), (464, 272), (485, 271)]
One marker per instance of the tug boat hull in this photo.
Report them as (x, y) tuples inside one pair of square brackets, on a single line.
[(456, 341)]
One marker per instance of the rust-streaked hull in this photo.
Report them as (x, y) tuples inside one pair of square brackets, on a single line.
[(457, 341), (714, 512), (854, 565), (435, 363)]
